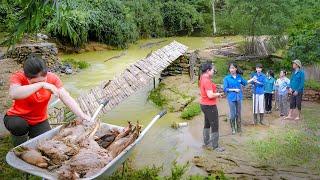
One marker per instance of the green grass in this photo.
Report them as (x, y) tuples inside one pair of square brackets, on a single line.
[(6, 171), (312, 84), (156, 97), (193, 109), (299, 146), (153, 173), (76, 64)]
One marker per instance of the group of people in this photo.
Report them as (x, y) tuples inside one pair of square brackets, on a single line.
[(32, 88), (264, 87)]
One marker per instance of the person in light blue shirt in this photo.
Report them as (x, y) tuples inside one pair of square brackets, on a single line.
[(282, 86), (296, 89), (232, 86), (258, 93), (269, 88)]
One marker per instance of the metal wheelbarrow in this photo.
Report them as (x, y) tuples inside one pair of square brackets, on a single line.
[(18, 163)]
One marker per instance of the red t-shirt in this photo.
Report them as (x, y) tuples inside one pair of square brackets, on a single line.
[(205, 85), (33, 108)]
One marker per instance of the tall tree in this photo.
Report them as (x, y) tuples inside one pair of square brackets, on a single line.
[(214, 18)]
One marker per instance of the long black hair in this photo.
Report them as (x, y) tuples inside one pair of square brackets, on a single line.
[(34, 66), (271, 73), (203, 69), (239, 70)]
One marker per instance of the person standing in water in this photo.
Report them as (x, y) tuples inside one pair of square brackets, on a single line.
[(269, 88), (232, 86), (258, 94), (282, 86), (208, 102), (296, 89)]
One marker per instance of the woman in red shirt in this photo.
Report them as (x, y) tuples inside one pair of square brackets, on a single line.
[(31, 91), (208, 102)]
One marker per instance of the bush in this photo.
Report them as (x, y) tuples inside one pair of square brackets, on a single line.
[(312, 84), (71, 27), (111, 24), (156, 97), (147, 17), (193, 109), (181, 18), (76, 64), (304, 44)]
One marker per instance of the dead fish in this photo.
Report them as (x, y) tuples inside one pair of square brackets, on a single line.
[(31, 156)]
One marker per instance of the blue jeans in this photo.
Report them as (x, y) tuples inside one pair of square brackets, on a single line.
[(235, 110)]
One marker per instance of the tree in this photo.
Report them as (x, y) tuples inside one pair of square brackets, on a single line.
[(252, 18), (214, 18)]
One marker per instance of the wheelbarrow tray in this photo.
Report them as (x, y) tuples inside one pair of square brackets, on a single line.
[(18, 163)]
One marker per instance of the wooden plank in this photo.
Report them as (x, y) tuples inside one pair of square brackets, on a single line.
[(162, 56), (135, 77), (145, 69), (151, 66), (132, 80), (138, 74)]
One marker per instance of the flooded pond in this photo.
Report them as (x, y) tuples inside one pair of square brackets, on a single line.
[(162, 144)]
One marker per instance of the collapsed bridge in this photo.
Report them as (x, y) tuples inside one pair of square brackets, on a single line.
[(132, 79)]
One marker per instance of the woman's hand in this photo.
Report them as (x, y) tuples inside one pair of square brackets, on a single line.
[(51, 88), (86, 118)]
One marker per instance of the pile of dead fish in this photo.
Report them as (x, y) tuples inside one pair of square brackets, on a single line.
[(75, 153)]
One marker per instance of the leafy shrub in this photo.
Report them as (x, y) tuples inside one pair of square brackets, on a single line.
[(111, 24), (193, 109), (181, 18), (312, 84), (156, 97), (76, 64), (147, 17), (304, 44), (70, 27)]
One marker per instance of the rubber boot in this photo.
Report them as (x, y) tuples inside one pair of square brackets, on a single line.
[(232, 123), (261, 119), (17, 140), (215, 142), (239, 125), (255, 119), (206, 136)]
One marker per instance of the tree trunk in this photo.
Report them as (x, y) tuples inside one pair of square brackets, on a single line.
[(214, 18)]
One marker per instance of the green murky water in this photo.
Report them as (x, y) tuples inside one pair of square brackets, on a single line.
[(162, 145)]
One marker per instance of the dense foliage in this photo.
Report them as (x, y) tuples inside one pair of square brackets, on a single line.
[(120, 22)]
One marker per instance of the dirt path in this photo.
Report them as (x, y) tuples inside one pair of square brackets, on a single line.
[(238, 159)]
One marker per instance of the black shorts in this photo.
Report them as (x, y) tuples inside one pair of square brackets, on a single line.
[(19, 126), (295, 101)]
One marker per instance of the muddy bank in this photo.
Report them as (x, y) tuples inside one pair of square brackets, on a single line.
[(240, 160)]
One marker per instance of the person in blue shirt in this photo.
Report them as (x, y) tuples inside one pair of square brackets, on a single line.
[(269, 88), (296, 89), (232, 86), (258, 94)]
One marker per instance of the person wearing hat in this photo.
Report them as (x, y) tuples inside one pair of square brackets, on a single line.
[(296, 89), (258, 82)]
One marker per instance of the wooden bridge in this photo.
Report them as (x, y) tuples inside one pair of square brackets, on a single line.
[(133, 78)]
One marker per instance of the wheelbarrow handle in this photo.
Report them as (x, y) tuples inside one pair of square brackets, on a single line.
[(162, 113), (102, 105), (105, 102)]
